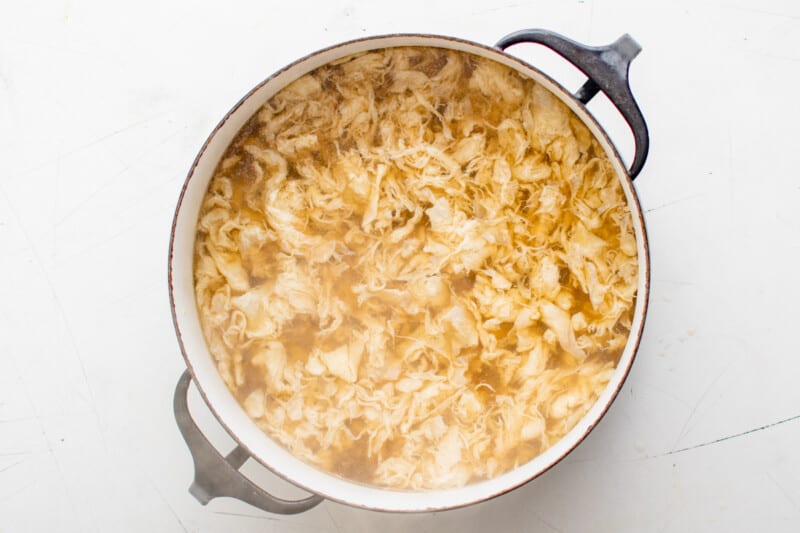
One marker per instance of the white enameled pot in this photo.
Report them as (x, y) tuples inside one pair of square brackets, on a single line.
[(606, 68)]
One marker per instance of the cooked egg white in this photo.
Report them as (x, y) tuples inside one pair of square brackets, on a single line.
[(415, 268)]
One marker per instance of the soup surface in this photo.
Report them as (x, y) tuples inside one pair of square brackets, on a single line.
[(415, 268)]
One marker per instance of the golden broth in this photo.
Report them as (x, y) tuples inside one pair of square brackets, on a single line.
[(415, 268)]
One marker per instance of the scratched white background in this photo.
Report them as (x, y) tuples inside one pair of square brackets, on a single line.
[(102, 109)]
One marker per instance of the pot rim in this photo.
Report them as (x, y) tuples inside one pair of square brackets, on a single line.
[(382, 499)]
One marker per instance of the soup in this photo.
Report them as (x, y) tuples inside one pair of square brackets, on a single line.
[(415, 268)]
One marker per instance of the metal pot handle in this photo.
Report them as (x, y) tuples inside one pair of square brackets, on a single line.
[(607, 70), (215, 475)]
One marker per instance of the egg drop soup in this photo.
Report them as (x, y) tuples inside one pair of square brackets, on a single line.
[(415, 268)]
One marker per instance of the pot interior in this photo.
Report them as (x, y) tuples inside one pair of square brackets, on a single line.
[(222, 402)]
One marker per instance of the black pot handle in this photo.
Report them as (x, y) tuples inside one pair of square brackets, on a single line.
[(607, 70), (215, 475)]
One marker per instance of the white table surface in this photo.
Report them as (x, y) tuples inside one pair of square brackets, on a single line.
[(102, 109)]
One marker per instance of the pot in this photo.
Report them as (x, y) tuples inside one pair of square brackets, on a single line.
[(607, 70)]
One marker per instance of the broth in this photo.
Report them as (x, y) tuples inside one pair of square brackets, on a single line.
[(415, 268)]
